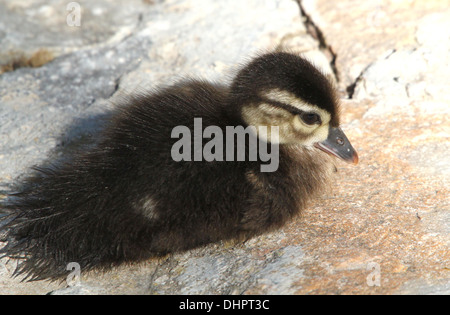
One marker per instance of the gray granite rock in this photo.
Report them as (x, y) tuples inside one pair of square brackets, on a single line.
[(28, 26)]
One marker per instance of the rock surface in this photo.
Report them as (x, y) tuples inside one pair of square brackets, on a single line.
[(384, 229)]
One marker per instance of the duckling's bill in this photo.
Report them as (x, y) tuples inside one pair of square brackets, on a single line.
[(337, 144)]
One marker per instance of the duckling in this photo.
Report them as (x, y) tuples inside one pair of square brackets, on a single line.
[(127, 199)]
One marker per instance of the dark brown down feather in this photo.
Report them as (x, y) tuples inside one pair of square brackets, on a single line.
[(126, 200)]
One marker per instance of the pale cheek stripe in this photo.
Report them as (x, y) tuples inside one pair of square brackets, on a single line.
[(277, 95)]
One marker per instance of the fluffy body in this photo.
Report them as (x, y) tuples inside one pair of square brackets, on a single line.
[(125, 200)]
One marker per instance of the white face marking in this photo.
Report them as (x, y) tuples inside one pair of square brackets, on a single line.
[(318, 135), (286, 97), (292, 129)]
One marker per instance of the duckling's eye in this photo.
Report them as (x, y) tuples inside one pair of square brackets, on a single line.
[(310, 118)]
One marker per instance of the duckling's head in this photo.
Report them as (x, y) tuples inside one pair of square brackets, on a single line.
[(285, 90)]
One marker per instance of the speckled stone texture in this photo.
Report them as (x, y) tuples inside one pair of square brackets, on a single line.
[(384, 226)]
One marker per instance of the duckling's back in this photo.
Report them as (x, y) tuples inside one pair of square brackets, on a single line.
[(126, 199)]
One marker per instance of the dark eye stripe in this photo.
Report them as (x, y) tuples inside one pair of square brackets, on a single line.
[(305, 116), (293, 110)]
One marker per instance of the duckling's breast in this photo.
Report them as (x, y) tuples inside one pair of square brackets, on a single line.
[(277, 197)]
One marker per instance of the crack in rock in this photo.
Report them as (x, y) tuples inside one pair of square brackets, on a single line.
[(314, 30), (351, 88)]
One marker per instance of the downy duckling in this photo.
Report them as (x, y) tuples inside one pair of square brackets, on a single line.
[(136, 194)]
